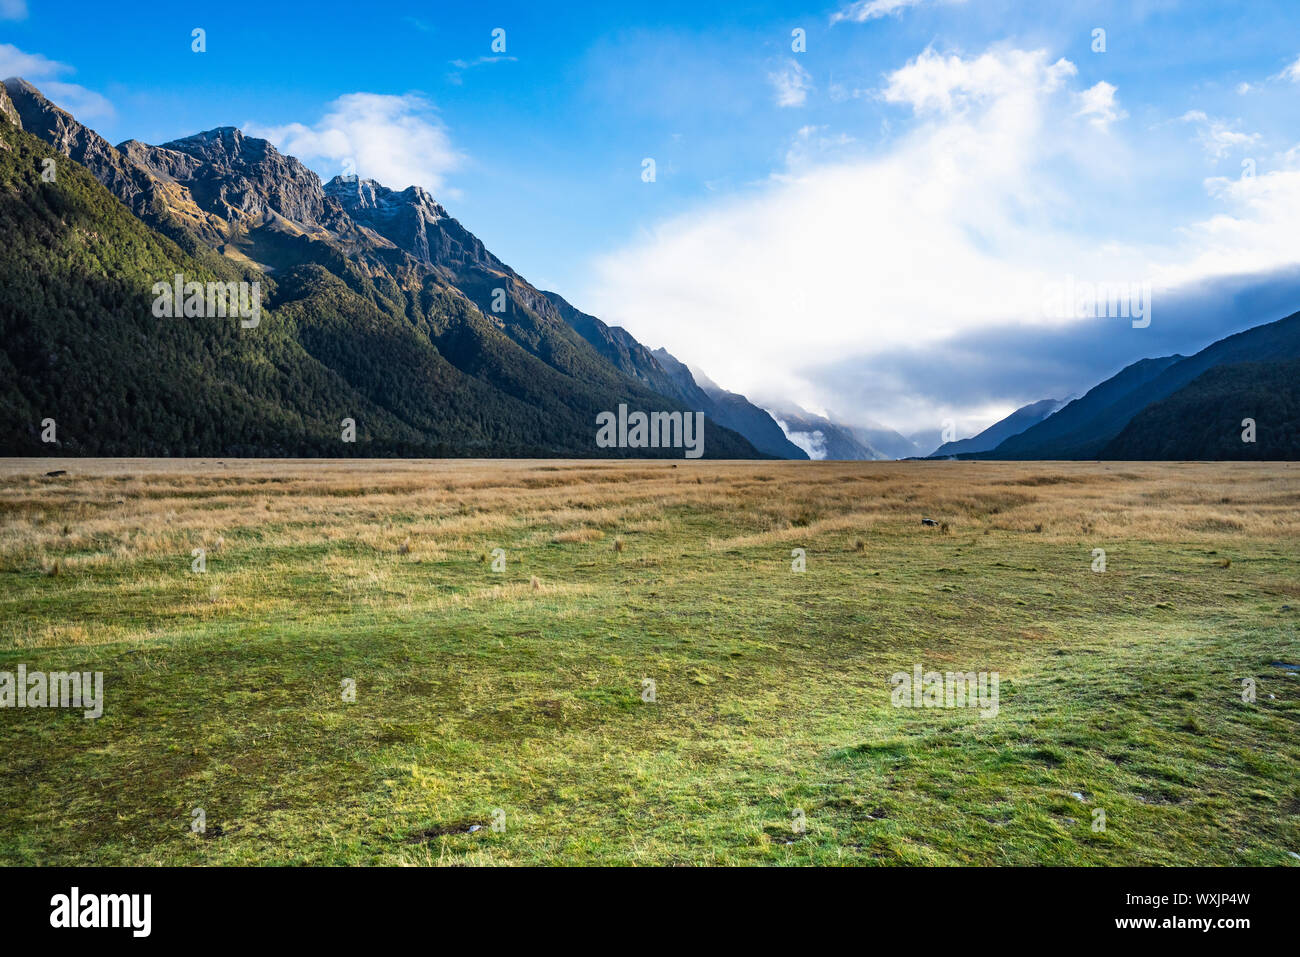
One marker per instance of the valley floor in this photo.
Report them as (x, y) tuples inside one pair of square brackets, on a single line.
[(500, 716)]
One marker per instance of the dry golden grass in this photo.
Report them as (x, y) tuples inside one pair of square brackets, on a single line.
[(113, 509), (149, 514)]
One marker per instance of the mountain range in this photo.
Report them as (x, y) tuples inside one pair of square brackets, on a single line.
[(998, 432), (1138, 412), (380, 309)]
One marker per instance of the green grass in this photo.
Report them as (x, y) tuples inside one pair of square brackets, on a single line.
[(772, 691)]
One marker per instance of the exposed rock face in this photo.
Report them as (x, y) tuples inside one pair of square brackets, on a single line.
[(80, 143), (239, 177), (415, 222), (8, 112)]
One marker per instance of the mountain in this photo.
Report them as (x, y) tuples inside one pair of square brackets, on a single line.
[(1000, 431), (822, 438), (726, 408), (1084, 428), (926, 442), (1059, 435), (662, 372), (359, 319), (884, 440), (1204, 420), (624, 352), (420, 227)]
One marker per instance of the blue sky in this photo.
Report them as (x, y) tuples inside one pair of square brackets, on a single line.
[(783, 177)]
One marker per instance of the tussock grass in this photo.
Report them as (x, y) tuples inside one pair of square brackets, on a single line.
[(522, 689)]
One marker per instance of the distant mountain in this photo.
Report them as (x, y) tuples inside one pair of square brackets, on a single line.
[(729, 408), (822, 438), (884, 440), (377, 306), (1060, 435), (1083, 428), (926, 442), (1205, 419), (1000, 431)]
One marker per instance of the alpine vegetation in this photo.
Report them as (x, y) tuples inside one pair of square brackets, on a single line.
[(654, 430), (213, 300)]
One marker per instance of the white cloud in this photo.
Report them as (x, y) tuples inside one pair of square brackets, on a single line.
[(397, 140), (864, 10), (44, 73), (14, 62), (935, 83), (1292, 72), (813, 144), (1217, 136), (85, 105), (462, 65), (1098, 104), (813, 443), (792, 83), (1255, 233), (1001, 187), (13, 10)]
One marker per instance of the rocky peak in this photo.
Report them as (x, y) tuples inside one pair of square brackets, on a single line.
[(371, 195), (238, 177), (56, 126), (414, 221), (52, 124)]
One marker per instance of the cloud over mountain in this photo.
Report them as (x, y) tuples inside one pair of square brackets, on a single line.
[(399, 140), (1011, 178)]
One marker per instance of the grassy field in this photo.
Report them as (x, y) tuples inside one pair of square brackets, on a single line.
[(515, 697)]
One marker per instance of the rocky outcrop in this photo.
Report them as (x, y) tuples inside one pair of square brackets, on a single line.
[(416, 223), (238, 177), (8, 112), (80, 143)]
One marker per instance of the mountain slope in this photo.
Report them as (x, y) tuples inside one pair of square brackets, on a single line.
[(728, 408), (1000, 431), (822, 438), (626, 354), (1058, 436), (352, 326), (1204, 419), (884, 440), (1084, 436), (414, 223)]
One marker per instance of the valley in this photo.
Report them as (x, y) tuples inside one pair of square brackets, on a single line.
[(444, 662)]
